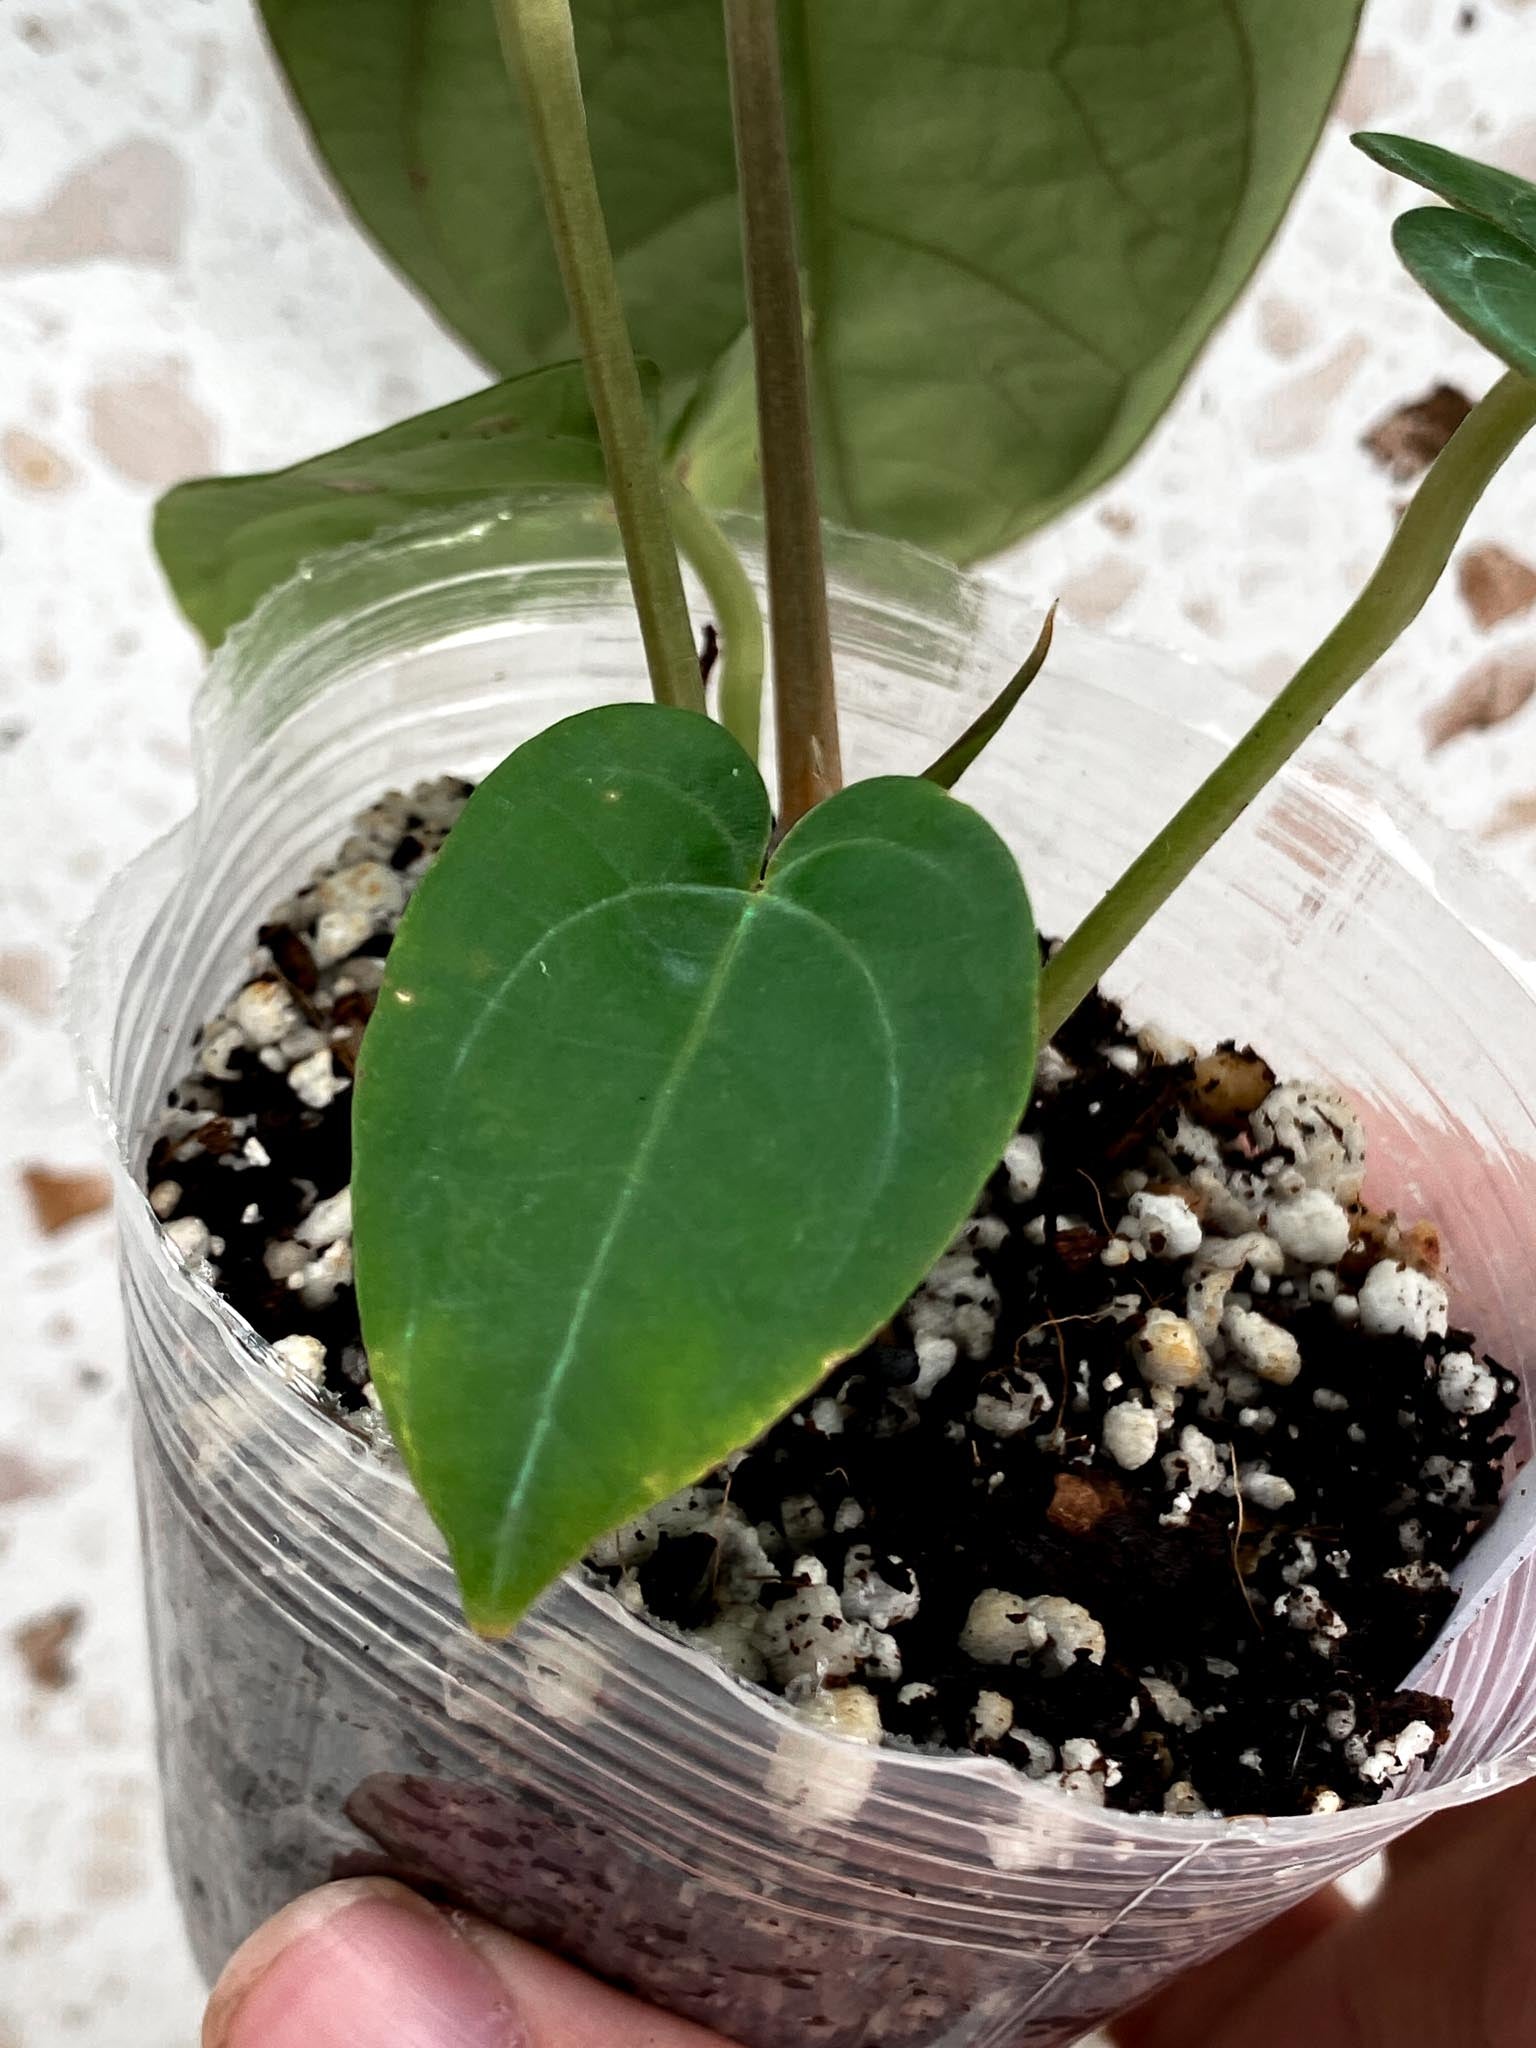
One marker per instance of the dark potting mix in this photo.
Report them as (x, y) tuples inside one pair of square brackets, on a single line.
[(1153, 1489)]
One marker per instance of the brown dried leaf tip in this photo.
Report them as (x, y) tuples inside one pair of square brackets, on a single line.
[(1408, 440)]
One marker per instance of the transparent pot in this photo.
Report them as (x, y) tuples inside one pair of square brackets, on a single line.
[(593, 1784)]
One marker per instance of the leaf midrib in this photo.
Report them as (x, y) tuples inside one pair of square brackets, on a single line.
[(751, 906), (543, 1420)]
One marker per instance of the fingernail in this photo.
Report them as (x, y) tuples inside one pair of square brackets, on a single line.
[(356, 1967)]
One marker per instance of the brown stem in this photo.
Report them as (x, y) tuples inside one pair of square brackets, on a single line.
[(804, 701)]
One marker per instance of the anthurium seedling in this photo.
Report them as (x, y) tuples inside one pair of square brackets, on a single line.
[(648, 1135), (670, 1101)]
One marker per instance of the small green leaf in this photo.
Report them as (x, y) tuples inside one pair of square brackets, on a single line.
[(1479, 274), (225, 541), (645, 1142), (1509, 202)]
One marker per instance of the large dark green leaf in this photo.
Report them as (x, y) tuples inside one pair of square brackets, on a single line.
[(642, 1144), (1021, 217), (1484, 278), (225, 541)]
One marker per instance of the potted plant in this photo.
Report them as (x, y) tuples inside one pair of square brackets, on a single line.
[(668, 1104)]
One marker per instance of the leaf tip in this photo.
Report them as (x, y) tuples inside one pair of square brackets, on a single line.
[(493, 1606), (1375, 143)]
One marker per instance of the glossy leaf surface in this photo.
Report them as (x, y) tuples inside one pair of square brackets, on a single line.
[(1500, 196), (1484, 278), (643, 1143)]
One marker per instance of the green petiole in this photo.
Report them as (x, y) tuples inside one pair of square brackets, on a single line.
[(539, 41), (1388, 605), (805, 707), (734, 603)]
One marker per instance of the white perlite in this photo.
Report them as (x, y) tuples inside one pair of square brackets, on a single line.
[(1449, 1482), (802, 1518), (315, 1080), (1307, 1610), (1167, 1351), (805, 1637), (1392, 1758), (868, 1596), (1171, 1704), (1069, 1631), (1014, 1409), (1038, 1757), (849, 1710), (368, 890), (265, 1012), (954, 1311), (1183, 1801), (304, 1358), (1397, 1300), (1204, 1302), (1266, 1490), (1261, 1346), (220, 1042), (1002, 1627), (1465, 1386), (1165, 1224), (328, 1220), (1318, 1129), (1254, 1249), (1197, 1466), (1130, 1435), (991, 1717), (1085, 1770), (1024, 1167), (339, 933), (1310, 1228)]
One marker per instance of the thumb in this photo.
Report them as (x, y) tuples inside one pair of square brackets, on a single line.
[(368, 1964)]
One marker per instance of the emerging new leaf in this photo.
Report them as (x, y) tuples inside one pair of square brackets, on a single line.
[(1479, 274), (647, 1139), (1508, 201)]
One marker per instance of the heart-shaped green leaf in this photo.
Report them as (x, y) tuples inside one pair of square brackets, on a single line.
[(1478, 273), (645, 1140), (1509, 202), (1022, 218), (225, 541)]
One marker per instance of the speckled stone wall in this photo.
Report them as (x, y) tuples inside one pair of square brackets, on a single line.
[(179, 292)]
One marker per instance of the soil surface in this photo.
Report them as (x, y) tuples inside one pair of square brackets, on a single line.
[(1153, 1488)]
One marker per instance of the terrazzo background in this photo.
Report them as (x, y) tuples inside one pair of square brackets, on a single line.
[(179, 292)]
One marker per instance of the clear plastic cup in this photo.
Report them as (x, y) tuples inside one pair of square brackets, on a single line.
[(594, 1784)]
